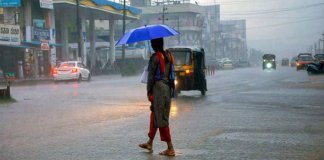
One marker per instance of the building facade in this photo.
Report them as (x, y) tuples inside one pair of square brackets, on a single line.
[(211, 35), (32, 51), (186, 18), (233, 39), (29, 32), (198, 25), (90, 13)]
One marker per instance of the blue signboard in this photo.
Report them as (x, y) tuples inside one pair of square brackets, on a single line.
[(10, 3), (40, 34)]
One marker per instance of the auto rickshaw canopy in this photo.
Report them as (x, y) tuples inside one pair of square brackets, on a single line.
[(269, 56), (197, 53)]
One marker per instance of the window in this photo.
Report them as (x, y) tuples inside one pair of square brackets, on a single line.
[(181, 58), (67, 64), (81, 65)]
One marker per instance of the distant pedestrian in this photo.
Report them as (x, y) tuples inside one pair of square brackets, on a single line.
[(207, 70), (159, 87), (28, 71)]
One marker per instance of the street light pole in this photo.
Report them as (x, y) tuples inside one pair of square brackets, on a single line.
[(323, 42), (79, 30), (319, 46), (163, 13), (223, 40), (179, 30), (124, 28)]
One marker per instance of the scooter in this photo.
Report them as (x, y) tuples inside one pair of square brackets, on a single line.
[(316, 68)]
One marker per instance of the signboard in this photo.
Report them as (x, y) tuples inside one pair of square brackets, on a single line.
[(48, 4), (39, 23), (9, 34), (41, 34), (45, 46), (10, 3)]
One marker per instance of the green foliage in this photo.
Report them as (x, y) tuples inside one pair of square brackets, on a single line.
[(5, 100)]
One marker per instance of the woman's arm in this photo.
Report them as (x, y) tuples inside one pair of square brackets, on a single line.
[(153, 64)]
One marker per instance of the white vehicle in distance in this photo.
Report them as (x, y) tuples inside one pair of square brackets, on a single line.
[(71, 70), (227, 64)]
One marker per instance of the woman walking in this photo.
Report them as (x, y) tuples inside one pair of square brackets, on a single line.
[(159, 86)]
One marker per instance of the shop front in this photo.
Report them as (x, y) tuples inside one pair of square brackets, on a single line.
[(11, 50), (37, 63), (41, 56), (25, 62), (12, 59)]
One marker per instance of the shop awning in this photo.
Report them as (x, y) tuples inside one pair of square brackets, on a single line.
[(14, 46), (104, 6), (116, 6), (39, 43)]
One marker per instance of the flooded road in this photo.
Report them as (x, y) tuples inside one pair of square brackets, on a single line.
[(246, 114)]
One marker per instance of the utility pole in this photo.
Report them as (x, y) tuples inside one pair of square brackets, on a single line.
[(124, 28), (201, 31), (163, 13), (80, 36), (223, 40), (179, 30), (319, 46), (164, 9), (323, 43), (215, 23)]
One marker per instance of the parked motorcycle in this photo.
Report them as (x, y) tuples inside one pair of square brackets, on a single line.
[(315, 68)]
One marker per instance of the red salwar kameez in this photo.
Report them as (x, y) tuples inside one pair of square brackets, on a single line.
[(164, 131)]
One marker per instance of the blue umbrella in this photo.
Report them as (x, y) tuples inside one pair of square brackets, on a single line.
[(147, 32)]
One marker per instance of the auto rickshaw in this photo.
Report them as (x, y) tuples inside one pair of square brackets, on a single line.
[(189, 64), (269, 61)]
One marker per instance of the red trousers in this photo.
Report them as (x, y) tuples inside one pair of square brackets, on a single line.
[(164, 132)]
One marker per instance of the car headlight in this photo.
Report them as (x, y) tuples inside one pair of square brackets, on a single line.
[(175, 82), (264, 60), (269, 65)]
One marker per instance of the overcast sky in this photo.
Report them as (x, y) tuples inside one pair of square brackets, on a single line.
[(283, 27)]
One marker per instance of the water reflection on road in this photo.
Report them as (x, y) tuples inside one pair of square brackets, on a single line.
[(174, 110), (74, 85), (186, 102)]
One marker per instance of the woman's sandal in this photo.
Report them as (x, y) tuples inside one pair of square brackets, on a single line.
[(146, 146), (167, 152)]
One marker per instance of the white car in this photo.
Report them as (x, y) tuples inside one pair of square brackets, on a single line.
[(71, 70), (228, 64)]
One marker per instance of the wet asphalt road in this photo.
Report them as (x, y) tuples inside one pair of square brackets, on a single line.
[(247, 114)]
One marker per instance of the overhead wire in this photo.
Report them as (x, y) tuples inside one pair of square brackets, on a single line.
[(256, 12), (271, 17), (236, 2), (261, 12), (287, 23)]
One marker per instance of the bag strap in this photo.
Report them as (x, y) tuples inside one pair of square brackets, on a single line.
[(170, 56)]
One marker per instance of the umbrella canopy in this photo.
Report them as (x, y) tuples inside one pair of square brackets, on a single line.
[(147, 32)]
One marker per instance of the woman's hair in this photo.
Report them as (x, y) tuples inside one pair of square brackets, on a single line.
[(157, 44)]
